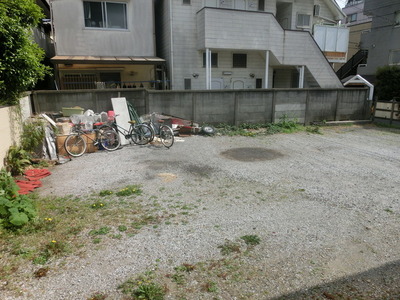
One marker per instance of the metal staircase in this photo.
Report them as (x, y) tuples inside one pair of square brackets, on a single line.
[(350, 67)]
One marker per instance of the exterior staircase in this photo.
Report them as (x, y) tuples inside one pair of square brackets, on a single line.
[(350, 67)]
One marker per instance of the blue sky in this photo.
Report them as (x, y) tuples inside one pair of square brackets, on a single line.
[(341, 3)]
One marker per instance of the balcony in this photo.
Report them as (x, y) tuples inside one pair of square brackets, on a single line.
[(236, 29)]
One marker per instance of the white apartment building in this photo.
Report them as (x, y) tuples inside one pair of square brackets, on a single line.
[(246, 44)]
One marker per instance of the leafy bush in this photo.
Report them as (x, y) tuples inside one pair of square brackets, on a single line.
[(388, 82), (32, 136), (17, 160), (15, 210), (20, 56)]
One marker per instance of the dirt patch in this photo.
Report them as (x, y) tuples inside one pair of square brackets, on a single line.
[(251, 154)]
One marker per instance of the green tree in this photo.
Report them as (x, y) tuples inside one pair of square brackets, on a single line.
[(388, 82), (20, 56)]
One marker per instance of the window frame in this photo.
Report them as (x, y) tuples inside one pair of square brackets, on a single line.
[(104, 15), (214, 60), (239, 64), (392, 53), (352, 18), (302, 25)]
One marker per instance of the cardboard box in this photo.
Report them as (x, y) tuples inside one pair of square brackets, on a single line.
[(89, 138), (63, 128)]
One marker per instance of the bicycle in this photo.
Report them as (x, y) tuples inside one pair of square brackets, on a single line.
[(75, 144), (163, 132), (140, 134)]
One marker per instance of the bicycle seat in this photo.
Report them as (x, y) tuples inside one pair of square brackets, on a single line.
[(132, 122), (160, 121)]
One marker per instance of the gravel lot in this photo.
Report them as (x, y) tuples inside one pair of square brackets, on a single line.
[(326, 208)]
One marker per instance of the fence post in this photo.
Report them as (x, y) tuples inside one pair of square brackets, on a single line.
[(392, 112)]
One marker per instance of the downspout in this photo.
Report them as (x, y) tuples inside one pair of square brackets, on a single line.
[(171, 45), (57, 80), (266, 69)]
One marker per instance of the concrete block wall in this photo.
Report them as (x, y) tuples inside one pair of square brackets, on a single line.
[(222, 106)]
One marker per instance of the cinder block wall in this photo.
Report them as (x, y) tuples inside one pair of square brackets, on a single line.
[(221, 106)]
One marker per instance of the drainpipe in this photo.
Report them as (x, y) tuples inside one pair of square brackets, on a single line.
[(172, 45), (266, 69), (208, 69), (301, 77)]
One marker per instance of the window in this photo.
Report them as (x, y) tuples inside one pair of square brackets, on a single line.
[(259, 83), (394, 57), (239, 60), (105, 14), (186, 2), (188, 83), (303, 20), (351, 18), (397, 18), (214, 60), (261, 5)]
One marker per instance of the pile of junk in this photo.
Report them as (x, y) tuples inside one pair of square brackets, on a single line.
[(61, 125)]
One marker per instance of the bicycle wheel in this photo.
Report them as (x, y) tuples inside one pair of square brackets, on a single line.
[(141, 134), (167, 136), (75, 145), (110, 140)]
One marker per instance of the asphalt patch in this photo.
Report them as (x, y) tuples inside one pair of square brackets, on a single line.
[(251, 154)]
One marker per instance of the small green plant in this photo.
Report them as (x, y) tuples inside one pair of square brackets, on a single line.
[(15, 210), (100, 231), (314, 129), (122, 228), (229, 247), (211, 287), (97, 296), (97, 205), (17, 160), (105, 193), (149, 291), (143, 287), (251, 240), (54, 248), (129, 190)]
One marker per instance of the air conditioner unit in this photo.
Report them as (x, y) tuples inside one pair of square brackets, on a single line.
[(316, 10)]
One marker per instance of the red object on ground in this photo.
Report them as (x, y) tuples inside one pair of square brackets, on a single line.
[(32, 182), (35, 174)]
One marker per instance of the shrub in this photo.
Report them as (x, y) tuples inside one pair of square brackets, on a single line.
[(15, 210), (17, 160), (388, 82)]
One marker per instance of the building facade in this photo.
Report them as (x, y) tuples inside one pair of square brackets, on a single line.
[(383, 40), (357, 23), (105, 44), (236, 44)]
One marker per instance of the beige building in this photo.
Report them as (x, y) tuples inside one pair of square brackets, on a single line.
[(358, 24)]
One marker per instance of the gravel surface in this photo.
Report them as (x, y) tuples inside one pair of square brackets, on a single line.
[(325, 207)]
